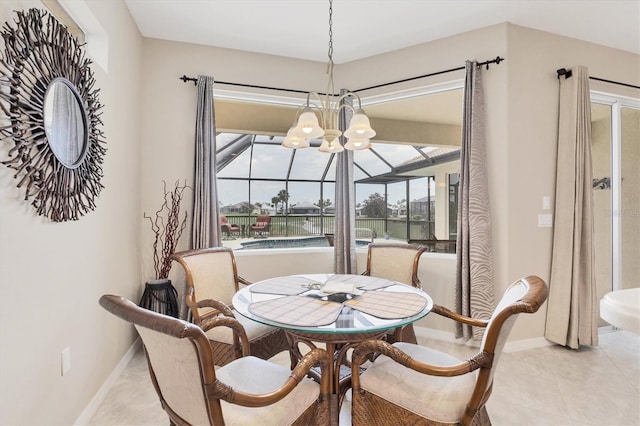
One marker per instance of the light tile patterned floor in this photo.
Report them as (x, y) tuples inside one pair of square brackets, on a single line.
[(545, 386)]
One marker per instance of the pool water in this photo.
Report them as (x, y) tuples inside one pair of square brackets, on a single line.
[(293, 243)]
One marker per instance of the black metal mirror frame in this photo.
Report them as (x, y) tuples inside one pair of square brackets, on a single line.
[(38, 53)]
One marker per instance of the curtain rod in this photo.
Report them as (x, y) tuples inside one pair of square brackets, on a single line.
[(568, 73), (496, 61)]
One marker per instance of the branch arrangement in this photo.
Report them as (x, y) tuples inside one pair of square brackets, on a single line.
[(167, 227)]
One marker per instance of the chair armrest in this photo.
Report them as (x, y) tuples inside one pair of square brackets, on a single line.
[(239, 334), (244, 281), (314, 357), (212, 303), (437, 309), (364, 349)]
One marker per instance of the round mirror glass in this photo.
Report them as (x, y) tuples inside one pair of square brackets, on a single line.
[(65, 122)]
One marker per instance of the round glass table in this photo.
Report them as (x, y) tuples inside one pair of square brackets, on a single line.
[(337, 310)]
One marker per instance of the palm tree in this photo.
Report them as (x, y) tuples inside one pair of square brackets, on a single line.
[(283, 197)]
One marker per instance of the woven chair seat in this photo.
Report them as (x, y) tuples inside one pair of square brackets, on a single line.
[(253, 329), (440, 399), (256, 376)]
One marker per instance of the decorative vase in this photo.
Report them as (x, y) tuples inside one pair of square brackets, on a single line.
[(160, 296)]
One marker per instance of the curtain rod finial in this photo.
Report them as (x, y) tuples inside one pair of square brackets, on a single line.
[(563, 71), (184, 79)]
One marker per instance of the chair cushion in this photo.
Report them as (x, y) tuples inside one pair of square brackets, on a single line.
[(441, 399), (254, 375), (253, 329)]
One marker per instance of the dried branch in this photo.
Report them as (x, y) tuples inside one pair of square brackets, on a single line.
[(167, 227)]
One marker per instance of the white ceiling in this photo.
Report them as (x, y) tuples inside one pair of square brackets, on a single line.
[(362, 28)]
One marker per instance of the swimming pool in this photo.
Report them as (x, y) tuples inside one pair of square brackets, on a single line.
[(270, 243)]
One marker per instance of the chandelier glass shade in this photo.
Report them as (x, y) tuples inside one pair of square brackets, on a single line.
[(318, 117)]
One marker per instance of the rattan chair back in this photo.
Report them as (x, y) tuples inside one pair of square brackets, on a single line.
[(179, 359), (211, 273), (211, 281), (397, 262)]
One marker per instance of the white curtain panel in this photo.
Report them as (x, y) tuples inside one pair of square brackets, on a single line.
[(345, 220), (474, 295), (572, 309)]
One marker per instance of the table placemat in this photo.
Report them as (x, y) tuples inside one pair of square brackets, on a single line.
[(388, 304), (287, 286), (362, 282), (299, 311)]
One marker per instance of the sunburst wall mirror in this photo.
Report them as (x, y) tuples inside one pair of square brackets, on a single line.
[(50, 115)]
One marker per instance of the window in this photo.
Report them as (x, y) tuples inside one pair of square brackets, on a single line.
[(401, 184)]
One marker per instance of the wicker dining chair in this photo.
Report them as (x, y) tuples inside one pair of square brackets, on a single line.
[(212, 280), (248, 390), (396, 262), (411, 384)]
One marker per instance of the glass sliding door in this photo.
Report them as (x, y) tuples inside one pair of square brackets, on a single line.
[(630, 197), (616, 191), (602, 198)]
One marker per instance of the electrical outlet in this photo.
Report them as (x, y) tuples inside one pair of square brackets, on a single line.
[(66, 360), (545, 221)]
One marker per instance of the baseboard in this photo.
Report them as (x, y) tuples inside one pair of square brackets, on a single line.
[(91, 409), (514, 346), (525, 344)]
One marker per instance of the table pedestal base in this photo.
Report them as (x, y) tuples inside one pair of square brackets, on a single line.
[(337, 346)]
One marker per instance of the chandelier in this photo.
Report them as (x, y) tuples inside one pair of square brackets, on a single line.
[(319, 117)]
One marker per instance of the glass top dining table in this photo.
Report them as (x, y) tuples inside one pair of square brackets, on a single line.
[(332, 303)]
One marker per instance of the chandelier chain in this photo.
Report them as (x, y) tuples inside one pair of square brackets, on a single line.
[(328, 111), (331, 31)]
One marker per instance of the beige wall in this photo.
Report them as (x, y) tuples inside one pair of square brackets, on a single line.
[(52, 274)]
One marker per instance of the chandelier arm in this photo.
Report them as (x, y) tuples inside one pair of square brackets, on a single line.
[(346, 95), (353, 110), (320, 106)]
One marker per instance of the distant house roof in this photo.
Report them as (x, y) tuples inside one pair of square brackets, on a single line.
[(303, 207)]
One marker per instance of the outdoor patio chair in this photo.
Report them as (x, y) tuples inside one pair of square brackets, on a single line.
[(262, 226), (231, 230), (212, 280), (246, 391), (411, 384), (396, 262)]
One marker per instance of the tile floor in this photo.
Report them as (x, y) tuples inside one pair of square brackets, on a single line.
[(545, 386)]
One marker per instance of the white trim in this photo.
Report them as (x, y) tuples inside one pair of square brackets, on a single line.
[(616, 196), (413, 92), (526, 344), (609, 99), (514, 346), (293, 100), (97, 39), (91, 409)]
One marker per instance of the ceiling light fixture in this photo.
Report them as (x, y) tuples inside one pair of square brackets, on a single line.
[(307, 127)]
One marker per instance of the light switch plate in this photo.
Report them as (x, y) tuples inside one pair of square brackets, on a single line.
[(66, 360), (546, 202)]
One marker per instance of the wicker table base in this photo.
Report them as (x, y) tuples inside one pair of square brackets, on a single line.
[(337, 345)]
